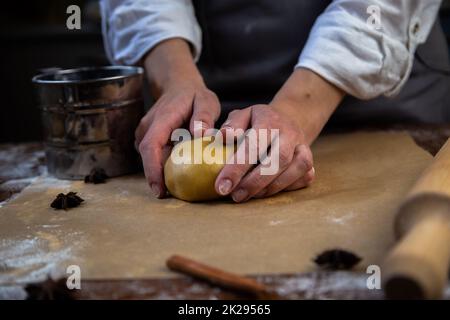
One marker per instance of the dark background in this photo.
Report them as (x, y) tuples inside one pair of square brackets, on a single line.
[(33, 37)]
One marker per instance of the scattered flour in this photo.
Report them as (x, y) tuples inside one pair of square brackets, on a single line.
[(347, 284), (275, 222), (342, 219), (30, 260)]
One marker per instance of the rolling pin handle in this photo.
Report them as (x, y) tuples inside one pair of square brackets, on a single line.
[(418, 265), (417, 268)]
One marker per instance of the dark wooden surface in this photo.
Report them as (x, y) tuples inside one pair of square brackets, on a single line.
[(21, 163)]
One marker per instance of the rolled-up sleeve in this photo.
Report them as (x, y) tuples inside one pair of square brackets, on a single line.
[(364, 59), (133, 27)]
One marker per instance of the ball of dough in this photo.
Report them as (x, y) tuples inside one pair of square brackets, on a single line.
[(193, 166)]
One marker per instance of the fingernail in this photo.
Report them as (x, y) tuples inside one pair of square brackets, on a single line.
[(227, 130), (225, 186), (239, 195), (155, 189), (226, 126), (313, 170), (199, 127)]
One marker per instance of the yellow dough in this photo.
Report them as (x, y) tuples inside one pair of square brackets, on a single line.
[(193, 180)]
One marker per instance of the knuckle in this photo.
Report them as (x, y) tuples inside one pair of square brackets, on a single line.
[(143, 146), (142, 123), (146, 145), (202, 115), (274, 116), (275, 186), (300, 166), (303, 158), (308, 181), (268, 113), (233, 114), (212, 96), (308, 164), (207, 96), (260, 108), (261, 123), (284, 157), (256, 111), (297, 186), (309, 177), (232, 172), (255, 115), (255, 183)]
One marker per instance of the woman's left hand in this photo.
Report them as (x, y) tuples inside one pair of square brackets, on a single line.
[(295, 162), (299, 111)]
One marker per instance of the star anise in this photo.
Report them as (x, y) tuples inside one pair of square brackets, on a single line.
[(97, 175), (337, 259), (66, 201)]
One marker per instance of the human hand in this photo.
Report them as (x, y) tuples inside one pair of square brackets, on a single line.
[(176, 108), (183, 99), (295, 162)]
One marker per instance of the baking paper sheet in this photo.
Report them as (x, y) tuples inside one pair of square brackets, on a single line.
[(121, 231)]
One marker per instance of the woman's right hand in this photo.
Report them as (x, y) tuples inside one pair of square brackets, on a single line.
[(178, 106), (181, 98)]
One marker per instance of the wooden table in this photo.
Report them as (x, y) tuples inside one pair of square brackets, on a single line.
[(20, 164)]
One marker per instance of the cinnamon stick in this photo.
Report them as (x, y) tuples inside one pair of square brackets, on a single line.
[(218, 277)]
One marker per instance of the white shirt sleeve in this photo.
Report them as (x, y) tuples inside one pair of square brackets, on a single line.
[(345, 48), (133, 27)]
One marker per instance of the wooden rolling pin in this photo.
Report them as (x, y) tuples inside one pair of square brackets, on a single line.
[(417, 267)]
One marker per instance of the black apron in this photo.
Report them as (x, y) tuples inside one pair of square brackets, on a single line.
[(251, 47)]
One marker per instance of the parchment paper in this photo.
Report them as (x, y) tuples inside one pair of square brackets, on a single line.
[(121, 231)]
